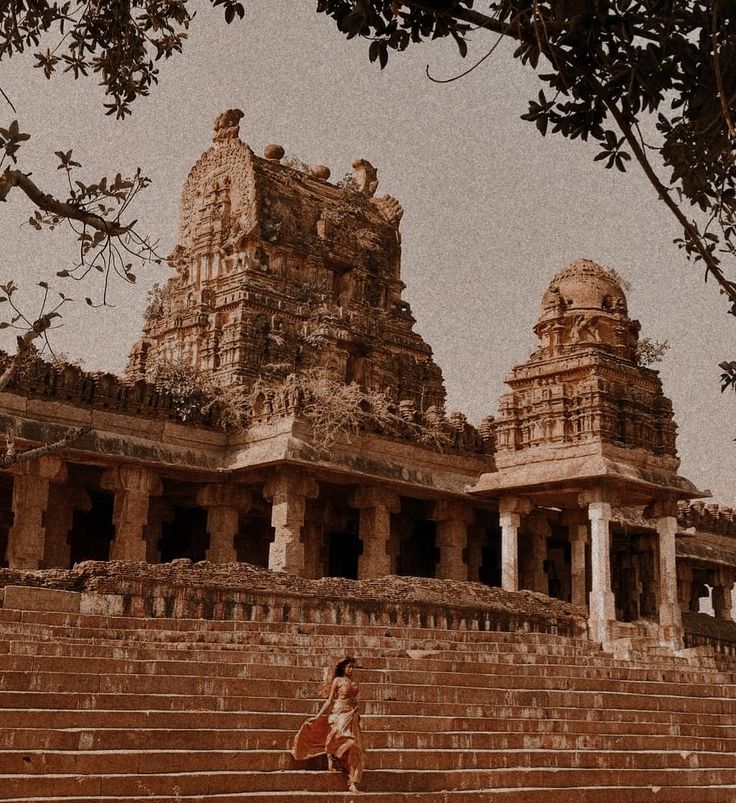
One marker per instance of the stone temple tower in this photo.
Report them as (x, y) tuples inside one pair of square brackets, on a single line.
[(279, 270), (583, 384)]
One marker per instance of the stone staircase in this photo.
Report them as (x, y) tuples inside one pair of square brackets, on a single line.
[(133, 708)]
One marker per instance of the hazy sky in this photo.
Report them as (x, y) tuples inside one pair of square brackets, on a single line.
[(492, 209)]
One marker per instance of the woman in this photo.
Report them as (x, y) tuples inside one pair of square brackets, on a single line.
[(336, 728)]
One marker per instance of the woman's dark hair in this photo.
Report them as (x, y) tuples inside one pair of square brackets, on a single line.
[(339, 671)]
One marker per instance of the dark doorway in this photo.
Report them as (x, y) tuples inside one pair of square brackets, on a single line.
[(344, 550), (185, 536), (418, 553), (253, 540), (490, 567), (92, 530)]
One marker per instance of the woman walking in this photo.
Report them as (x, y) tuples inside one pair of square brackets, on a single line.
[(336, 728)]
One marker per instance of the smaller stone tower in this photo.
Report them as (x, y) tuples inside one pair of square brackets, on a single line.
[(583, 383)]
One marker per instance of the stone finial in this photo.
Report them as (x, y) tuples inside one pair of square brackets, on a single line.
[(227, 125), (390, 208), (366, 176), (321, 172), (274, 152)]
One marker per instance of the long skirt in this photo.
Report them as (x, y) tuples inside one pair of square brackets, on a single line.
[(337, 735)]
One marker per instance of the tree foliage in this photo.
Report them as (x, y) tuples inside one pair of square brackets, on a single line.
[(651, 82)]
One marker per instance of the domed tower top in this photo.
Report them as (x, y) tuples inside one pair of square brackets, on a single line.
[(585, 306)]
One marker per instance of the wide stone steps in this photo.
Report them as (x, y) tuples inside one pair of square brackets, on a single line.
[(41, 657), (96, 707), (205, 784), (580, 795), (150, 761), (504, 690), (259, 737), (509, 720), (597, 794)]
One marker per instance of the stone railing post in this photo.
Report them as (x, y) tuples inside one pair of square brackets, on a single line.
[(453, 519), (511, 509), (133, 487), (288, 491), (224, 504), (602, 608), (31, 484), (376, 506)]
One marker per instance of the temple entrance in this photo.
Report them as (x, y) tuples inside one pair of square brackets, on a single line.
[(418, 552), (489, 571), (185, 536), (344, 549), (92, 530), (253, 540), (635, 575), (557, 567)]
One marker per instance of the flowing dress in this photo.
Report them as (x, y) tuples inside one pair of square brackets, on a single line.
[(336, 733)]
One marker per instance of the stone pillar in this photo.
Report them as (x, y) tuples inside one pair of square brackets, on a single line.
[(474, 551), (688, 601), (31, 484), (63, 501), (531, 565), (452, 520), (722, 593), (159, 511), (511, 509), (288, 491), (133, 486), (578, 534), (376, 506), (224, 505), (602, 608)]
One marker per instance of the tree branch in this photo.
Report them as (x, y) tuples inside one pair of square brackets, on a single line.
[(16, 178), (12, 456)]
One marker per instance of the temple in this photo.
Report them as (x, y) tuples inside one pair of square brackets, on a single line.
[(285, 284)]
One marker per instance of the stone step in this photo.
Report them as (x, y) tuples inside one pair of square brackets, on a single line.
[(262, 738), (207, 784), (509, 689), (509, 721), (394, 668), (307, 707), (597, 794), (150, 761)]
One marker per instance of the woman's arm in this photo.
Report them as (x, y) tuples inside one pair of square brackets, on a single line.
[(329, 701)]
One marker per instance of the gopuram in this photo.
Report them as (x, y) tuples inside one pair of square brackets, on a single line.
[(287, 295)]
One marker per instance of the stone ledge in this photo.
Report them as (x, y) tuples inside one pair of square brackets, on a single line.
[(240, 591), (29, 598)]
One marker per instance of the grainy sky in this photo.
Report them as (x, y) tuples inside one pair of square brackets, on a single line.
[(492, 209)]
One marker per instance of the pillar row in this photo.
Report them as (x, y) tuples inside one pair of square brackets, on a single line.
[(602, 607), (31, 486), (288, 491), (376, 506), (453, 519), (577, 524), (224, 504), (723, 580), (511, 510), (133, 487)]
